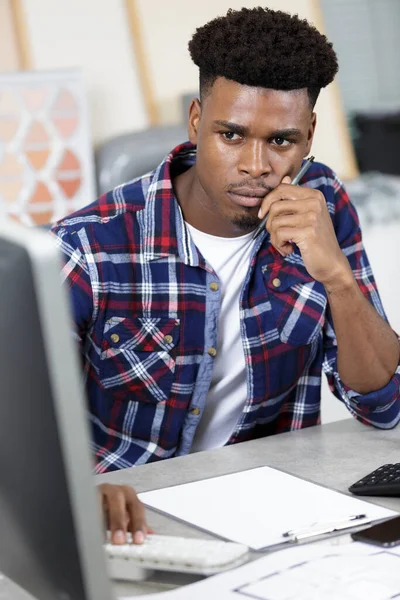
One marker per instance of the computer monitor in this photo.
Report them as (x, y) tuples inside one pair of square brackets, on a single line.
[(50, 533)]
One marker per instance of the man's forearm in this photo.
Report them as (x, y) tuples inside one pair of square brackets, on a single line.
[(368, 349)]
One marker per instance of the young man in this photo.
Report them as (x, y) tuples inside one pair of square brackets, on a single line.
[(194, 334)]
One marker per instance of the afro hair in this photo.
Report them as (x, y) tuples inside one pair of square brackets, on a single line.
[(263, 48)]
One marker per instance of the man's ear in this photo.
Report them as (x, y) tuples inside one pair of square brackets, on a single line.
[(194, 120), (311, 131)]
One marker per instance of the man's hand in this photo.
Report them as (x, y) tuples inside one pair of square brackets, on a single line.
[(123, 512), (299, 215)]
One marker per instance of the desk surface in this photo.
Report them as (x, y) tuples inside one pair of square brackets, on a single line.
[(334, 455)]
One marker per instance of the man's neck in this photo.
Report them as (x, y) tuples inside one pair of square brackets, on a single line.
[(197, 208)]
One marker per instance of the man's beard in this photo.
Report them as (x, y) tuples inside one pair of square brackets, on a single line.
[(245, 222)]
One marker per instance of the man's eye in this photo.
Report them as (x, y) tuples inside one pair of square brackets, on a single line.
[(281, 141), (230, 136)]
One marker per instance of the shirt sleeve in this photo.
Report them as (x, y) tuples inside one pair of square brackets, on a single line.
[(382, 407), (76, 276)]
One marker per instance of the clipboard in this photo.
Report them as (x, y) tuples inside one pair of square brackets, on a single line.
[(257, 507)]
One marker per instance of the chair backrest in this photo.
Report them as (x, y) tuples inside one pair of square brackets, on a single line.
[(133, 154)]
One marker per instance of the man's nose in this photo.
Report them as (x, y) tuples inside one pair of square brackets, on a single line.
[(254, 159)]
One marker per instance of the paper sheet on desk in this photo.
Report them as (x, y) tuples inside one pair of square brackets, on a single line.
[(328, 570), (255, 507)]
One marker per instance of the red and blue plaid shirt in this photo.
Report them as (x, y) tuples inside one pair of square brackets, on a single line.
[(146, 316)]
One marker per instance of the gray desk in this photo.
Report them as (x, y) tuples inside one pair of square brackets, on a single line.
[(334, 455)]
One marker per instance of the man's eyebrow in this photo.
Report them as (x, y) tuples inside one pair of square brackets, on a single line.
[(286, 133), (243, 130), (234, 127)]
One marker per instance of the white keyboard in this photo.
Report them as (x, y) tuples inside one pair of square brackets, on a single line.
[(170, 553)]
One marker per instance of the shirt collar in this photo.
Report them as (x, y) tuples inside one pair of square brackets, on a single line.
[(163, 226)]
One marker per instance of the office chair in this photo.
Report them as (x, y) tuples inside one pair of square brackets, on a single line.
[(133, 154)]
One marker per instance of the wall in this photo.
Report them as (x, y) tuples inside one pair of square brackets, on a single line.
[(93, 35), (9, 55), (366, 37)]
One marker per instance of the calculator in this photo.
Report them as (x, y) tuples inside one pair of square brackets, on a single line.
[(384, 481)]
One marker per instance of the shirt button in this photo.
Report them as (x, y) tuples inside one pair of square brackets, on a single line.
[(114, 338), (168, 339), (212, 352), (194, 411), (214, 287), (276, 282)]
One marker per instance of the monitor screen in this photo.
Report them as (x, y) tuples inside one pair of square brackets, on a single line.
[(50, 540)]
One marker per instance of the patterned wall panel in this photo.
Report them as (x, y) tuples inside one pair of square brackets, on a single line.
[(46, 168)]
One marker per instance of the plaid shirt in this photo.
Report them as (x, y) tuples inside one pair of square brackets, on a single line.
[(146, 316)]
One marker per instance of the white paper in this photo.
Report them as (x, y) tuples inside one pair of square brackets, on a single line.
[(350, 571), (257, 506)]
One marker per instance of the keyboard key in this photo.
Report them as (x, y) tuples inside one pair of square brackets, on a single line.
[(383, 481)]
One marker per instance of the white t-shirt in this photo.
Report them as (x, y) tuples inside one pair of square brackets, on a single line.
[(230, 259)]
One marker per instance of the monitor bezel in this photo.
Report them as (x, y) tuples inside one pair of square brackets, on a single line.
[(69, 401)]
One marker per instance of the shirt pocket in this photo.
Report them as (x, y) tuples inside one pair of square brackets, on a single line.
[(137, 359), (298, 304)]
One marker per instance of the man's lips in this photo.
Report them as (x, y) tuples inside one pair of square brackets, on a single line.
[(248, 196), (250, 192)]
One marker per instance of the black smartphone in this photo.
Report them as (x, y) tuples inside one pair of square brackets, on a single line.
[(385, 534)]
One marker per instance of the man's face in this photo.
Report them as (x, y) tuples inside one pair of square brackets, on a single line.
[(248, 139)]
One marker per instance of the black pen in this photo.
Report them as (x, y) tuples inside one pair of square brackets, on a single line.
[(295, 181)]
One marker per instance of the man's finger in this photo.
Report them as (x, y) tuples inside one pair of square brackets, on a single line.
[(282, 239), (290, 207), (284, 220), (282, 193), (117, 516), (136, 510), (263, 212)]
